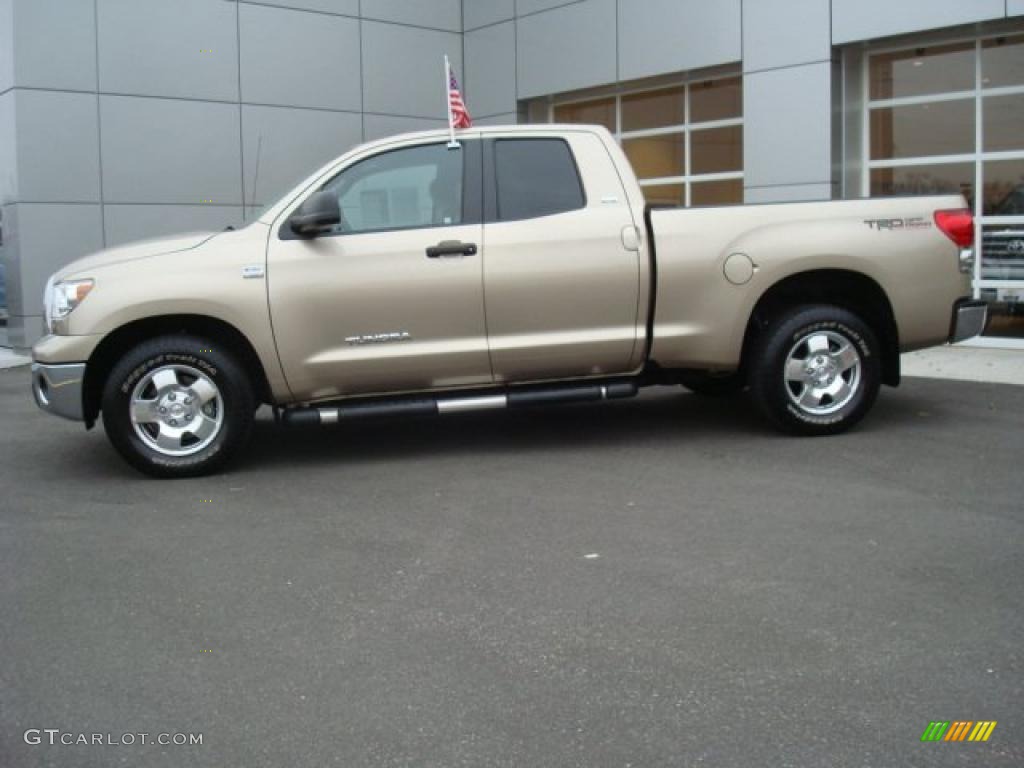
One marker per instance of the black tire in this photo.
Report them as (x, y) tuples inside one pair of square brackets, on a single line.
[(710, 385), (224, 420), (793, 401)]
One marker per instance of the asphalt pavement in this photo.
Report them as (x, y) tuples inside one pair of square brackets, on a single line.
[(654, 582)]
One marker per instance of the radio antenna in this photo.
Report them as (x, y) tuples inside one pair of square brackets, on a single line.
[(256, 174)]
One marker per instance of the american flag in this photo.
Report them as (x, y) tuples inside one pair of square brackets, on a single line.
[(459, 114)]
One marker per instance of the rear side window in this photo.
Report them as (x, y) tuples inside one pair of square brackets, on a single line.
[(535, 177)]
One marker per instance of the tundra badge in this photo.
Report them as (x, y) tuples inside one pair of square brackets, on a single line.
[(378, 338), (253, 271)]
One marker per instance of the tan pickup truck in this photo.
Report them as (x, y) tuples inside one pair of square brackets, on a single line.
[(521, 267)]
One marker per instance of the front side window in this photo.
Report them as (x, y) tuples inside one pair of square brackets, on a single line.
[(535, 177), (410, 188)]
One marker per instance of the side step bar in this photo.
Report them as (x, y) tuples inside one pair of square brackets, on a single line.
[(421, 406)]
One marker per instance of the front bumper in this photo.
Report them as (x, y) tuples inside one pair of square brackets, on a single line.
[(58, 389), (968, 320)]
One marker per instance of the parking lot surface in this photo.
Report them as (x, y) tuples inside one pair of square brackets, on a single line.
[(655, 582)]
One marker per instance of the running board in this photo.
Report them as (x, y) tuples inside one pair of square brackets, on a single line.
[(423, 406)]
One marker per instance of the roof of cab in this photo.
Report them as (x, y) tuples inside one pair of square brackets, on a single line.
[(443, 133)]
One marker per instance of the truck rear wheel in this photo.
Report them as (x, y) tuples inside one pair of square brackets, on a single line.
[(816, 370), (177, 406)]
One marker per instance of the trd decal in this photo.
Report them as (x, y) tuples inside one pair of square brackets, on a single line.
[(917, 222)]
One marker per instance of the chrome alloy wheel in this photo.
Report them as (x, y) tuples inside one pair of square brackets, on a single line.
[(823, 371), (176, 410)]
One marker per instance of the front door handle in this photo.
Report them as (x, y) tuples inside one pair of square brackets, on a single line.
[(451, 248)]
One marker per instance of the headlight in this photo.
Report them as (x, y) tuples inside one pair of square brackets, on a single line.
[(62, 297)]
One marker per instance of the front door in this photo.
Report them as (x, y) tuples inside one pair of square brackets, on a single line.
[(373, 305)]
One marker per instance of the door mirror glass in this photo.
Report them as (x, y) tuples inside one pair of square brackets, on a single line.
[(319, 213)]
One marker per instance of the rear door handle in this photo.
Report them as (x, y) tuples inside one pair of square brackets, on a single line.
[(451, 248)]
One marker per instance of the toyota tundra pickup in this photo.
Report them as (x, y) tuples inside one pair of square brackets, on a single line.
[(515, 267)]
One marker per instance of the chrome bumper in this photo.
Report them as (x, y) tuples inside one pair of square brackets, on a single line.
[(58, 389), (968, 320)]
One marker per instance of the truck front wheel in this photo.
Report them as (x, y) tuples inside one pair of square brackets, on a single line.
[(816, 370), (177, 406)]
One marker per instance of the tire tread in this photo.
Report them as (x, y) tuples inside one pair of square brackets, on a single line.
[(233, 382), (769, 352)]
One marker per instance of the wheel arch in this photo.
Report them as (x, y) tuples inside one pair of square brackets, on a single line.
[(851, 290), (116, 343)]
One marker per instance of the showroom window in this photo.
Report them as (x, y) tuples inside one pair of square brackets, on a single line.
[(947, 118), (684, 139)]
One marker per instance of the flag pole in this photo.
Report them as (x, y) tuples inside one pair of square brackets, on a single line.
[(452, 143)]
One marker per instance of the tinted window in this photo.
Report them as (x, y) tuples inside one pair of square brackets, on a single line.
[(535, 177), (407, 188)]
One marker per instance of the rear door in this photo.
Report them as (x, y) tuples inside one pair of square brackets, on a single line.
[(561, 285)]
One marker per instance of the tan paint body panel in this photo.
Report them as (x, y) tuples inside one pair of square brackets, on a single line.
[(55, 350), (329, 289), (558, 297), (147, 279), (700, 317)]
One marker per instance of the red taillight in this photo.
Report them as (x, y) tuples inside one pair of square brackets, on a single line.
[(957, 225)]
